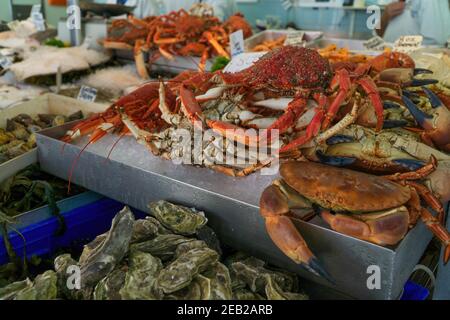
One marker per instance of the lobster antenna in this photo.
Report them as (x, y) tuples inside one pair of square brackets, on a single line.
[(114, 145), (75, 161)]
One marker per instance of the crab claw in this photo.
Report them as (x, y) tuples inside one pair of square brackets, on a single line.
[(437, 125), (275, 207), (418, 71), (405, 77), (386, 228)]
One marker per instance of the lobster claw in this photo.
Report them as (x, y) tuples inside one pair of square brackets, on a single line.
[(436, 125)]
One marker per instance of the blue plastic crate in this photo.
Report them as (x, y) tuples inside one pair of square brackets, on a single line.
[(83, 223), (412, 291)]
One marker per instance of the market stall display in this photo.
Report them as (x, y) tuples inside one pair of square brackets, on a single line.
[(168, 255), (175, 34), (322, 155)]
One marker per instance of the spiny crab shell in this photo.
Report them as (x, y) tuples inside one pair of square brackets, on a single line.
[(343, 189), (301, 68)]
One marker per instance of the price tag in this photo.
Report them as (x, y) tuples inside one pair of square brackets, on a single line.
[(87, 94), (294, 38), (36, 8), (5, 62), (37, 17), (243, 61), (407, 44), (237, 43), (375, 43)]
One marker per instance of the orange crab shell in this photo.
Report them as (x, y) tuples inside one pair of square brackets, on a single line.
[(342, 189)]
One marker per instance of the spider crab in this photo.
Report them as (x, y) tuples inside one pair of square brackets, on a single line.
[(282, 80), (368, 207), (132, 34)]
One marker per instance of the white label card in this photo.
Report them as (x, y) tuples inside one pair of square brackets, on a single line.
[(407, 44), (87, 94), (5, 62), (36, 8), (237, 43), (243, 61), (375, 43), (38, 20), (294, 38)]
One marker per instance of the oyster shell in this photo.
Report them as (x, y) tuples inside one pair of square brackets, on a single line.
[(44, 288), (163, 246), (244, 294), (61, 264), (145, 229), (10, 291), (141, 276), (88, 248), (182, 270), (189, 245), (198, 289), (104, 257), (220, 282), (274, 292), (108, 288), (179, 219)]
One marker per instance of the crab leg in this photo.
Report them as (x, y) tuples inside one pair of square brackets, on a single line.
[(342, 77), (438, 230), (216, 45), (371, 89), (313, 128), (139, 48)]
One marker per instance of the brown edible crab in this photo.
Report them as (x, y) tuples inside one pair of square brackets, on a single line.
[(368, 207)]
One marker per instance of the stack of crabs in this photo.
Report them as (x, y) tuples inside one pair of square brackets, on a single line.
[(177, 33), (365, 146)]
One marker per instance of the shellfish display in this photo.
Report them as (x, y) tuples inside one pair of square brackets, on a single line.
[(160, 257)]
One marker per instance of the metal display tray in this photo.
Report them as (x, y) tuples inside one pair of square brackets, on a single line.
[(48, 103), (355, 46), (310, 37), (133, 176), (179, 64)]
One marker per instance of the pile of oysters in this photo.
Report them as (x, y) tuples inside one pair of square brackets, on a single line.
[(170, 254)]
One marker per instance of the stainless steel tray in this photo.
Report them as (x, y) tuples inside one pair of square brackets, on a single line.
[(355, 46), (134, 176), (179, 64), (310, 37)]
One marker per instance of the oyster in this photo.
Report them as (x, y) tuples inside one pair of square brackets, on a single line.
[(10, 291), (61, 264), (198, 289), (163, 246), (87, 249), (220, 282), (141, 276), (274, 292), (145, 229), (244, 294), (179, 219), (182, 270), (189, 245), (103, 258), (108, 288), (274, 284), (44, 288)]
